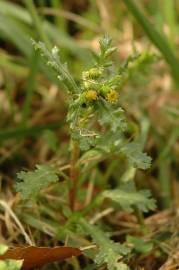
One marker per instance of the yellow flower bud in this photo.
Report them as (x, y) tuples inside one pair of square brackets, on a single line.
[(112, 96), (91, 95)]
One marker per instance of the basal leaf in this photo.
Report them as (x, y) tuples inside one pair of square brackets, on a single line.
[(110, 253)]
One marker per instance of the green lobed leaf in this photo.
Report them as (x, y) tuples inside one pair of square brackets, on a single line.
[(85, 138), (111, 116), (32, 182), (61, 68), (106, 50), (135, 156), (110, 253), (127, 199)]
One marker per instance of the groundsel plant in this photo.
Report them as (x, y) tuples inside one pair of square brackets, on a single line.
[(98, 128), (95, 117)]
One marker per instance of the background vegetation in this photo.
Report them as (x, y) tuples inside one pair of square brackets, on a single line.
[(34, 105)]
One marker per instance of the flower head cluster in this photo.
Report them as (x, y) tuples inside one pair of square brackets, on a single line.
[(95, 85)]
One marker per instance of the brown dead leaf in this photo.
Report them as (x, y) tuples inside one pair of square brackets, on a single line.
[(38, 256)]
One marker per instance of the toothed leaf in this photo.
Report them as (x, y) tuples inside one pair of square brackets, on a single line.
[(32, 182), (136, 157), (128, 199), (110, 253)]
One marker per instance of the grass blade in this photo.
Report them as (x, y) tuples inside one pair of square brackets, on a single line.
[(37, 22), (22, 132), (157, 39), (30, 86), (170, 17)]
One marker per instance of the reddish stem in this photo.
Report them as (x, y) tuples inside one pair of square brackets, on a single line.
[(74, 174)]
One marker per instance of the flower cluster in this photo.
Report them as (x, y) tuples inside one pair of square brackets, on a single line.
[(94, 86)]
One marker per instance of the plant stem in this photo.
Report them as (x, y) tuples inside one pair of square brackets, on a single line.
[(140, 218), (74, 173)]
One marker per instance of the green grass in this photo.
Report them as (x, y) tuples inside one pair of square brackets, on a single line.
[(158, 39)]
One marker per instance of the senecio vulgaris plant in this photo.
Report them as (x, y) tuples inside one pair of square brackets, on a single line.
[(98, 129)]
